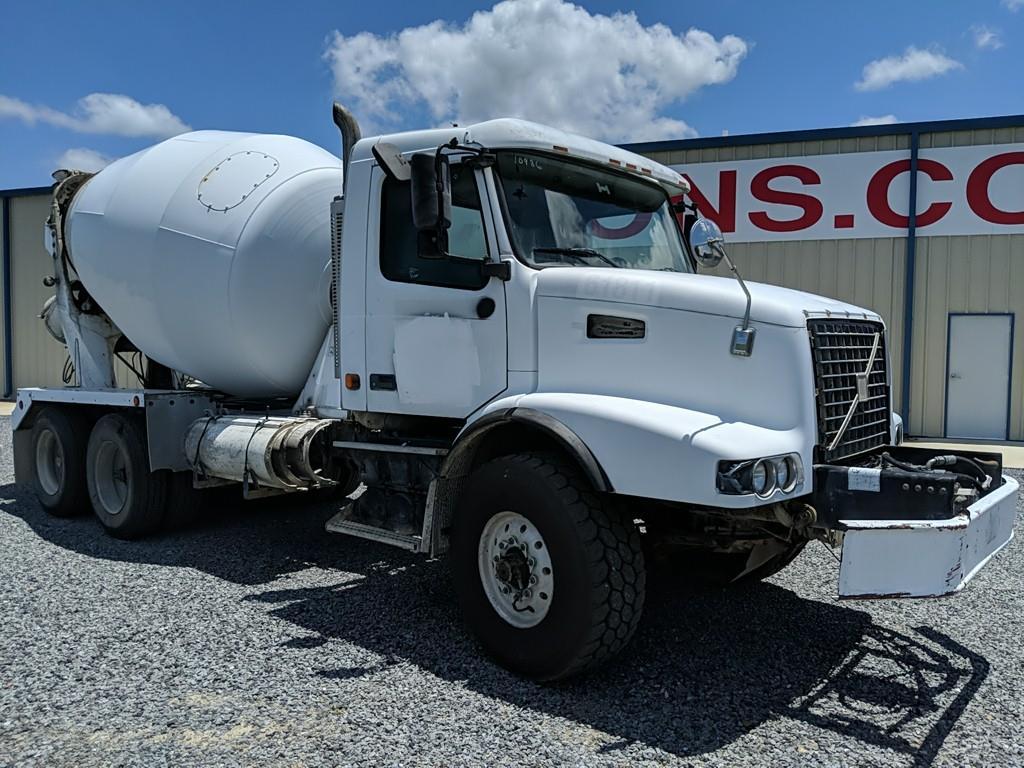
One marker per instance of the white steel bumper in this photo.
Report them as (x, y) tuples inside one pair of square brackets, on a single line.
[(925, 558)]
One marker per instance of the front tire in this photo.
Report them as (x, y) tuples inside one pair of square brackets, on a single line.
[(550, 578), (58, 461), (126, 496)]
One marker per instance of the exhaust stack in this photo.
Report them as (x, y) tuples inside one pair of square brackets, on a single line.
[(348, 126)]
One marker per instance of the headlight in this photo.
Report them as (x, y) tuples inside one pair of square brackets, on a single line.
[(762, 477), (786, 473), (781, 472)]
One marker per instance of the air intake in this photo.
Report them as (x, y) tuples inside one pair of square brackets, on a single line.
[(842, 352)]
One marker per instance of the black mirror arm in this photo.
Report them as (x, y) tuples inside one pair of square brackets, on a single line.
[(500, 269)]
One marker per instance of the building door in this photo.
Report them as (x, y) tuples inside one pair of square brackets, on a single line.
[(978, 376)]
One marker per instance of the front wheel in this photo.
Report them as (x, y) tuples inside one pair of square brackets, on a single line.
[(550, 578)]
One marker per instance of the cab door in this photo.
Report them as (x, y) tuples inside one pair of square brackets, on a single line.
[(436, 336)]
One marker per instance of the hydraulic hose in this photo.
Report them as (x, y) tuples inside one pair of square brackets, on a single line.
[(963, 479)]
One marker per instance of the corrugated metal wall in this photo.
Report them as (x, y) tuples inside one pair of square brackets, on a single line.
[(38, 359), (980, 273), (5, 203), (865, 272)]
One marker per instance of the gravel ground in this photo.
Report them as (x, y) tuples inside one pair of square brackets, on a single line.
[(257, 639)]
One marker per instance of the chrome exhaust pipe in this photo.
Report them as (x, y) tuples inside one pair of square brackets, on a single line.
[(348, 126), (283, 452)]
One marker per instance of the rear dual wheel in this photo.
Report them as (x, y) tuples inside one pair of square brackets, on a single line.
[(106, 468), (58, 461), (126, 496)]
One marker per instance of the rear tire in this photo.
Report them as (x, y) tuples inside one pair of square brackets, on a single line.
[(58, 461), (128, 499), (587, 605)]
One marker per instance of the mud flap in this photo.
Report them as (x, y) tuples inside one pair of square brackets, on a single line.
[(925, 558)]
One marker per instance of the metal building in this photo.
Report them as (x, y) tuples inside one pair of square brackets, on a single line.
[(922, 222), (31, 357)]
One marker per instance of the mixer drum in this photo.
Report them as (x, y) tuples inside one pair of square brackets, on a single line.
[(211, 253)]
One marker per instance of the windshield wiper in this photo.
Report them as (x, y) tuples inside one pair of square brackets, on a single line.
[(580, 254)]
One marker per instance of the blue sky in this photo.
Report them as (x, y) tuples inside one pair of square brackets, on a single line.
[(103, 79)]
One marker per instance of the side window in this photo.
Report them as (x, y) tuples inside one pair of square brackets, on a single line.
[(399, 256)]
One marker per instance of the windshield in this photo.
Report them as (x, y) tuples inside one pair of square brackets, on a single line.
[(563, 213)]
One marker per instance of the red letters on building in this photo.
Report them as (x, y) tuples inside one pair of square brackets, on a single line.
[(878, 193), (725, 214), (977, 189), (635, 227), (760, 188)]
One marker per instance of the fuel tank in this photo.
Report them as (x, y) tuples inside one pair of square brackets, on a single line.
[(211, 252)]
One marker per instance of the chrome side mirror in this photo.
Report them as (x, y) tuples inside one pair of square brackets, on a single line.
[(707, 242), (708, 246)]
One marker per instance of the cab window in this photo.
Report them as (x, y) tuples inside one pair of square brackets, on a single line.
[(399, 254)]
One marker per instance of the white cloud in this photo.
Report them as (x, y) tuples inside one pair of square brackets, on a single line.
[(1013, 5), (83, 159), (108, 113), (880, 120), (544, 60), (985, 37), (914, 64)]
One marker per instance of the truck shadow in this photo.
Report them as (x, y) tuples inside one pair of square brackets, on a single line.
[(704, 669)]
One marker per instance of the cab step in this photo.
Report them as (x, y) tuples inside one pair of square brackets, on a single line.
[(341, 523)]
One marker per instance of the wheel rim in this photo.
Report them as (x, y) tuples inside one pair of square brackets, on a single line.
[(110, 473), (515, 569), (49, 462)]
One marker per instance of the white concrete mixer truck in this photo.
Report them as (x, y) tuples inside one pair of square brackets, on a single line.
[(498, 334)]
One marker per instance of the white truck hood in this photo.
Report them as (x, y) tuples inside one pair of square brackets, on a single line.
[(692, 292)]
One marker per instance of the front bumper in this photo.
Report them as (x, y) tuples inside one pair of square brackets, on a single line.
[(907, 531), (925, 558)]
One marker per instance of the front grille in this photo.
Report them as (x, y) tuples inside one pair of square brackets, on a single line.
[(841, 349)]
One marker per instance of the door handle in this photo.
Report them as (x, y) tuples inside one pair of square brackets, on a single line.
[(485, 307), (955, 376)]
